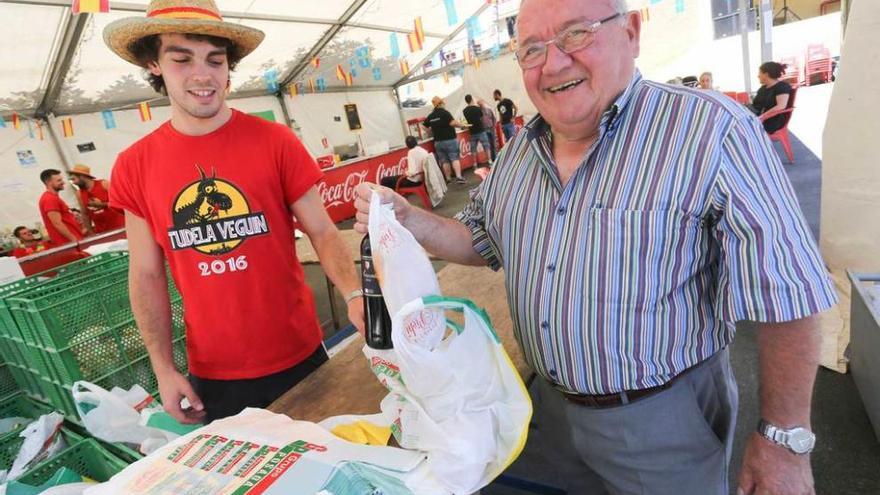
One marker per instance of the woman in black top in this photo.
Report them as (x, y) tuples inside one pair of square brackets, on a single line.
[(773, 97)]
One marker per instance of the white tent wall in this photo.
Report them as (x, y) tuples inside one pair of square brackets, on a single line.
[(313, 116), (20, 185)]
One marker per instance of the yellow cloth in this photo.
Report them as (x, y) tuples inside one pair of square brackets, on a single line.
[(363, 432)]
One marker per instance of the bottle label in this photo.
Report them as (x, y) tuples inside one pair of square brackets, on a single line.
[(368, 278)]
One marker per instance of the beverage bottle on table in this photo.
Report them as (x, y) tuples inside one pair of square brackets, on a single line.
[(376, 317)]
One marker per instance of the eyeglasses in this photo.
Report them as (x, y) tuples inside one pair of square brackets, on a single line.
[(572, 39)]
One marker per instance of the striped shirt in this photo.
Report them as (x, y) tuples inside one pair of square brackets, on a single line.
[(679, 221)]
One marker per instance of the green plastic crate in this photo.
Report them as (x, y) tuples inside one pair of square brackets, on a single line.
[(11, 444), (20, 406), (86, 457)]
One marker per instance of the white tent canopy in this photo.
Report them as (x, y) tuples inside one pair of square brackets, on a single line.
[(57, 63)]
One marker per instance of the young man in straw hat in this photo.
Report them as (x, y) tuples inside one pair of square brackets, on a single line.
[(212, 191), (95, 197)]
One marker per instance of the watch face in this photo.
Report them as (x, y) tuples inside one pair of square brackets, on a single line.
[(801, 440)]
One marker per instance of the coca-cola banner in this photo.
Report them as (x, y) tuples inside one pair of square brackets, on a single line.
[(337, 186)]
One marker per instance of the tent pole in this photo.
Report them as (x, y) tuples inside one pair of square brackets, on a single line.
[(744, 36), (287, 120)]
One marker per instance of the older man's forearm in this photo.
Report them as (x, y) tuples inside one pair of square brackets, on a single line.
[(789, 358)]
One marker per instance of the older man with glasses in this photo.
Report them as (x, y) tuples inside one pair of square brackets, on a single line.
[(636, 223)]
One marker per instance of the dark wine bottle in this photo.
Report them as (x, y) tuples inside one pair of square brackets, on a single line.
[(377, 319)]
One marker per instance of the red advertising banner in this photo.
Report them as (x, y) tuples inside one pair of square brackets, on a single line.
[(337, 186)]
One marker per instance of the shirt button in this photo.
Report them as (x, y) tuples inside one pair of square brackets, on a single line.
[(552, 372), (545, 325), (551, 267), (561, 210)]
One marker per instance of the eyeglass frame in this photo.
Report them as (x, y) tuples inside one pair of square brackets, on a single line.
[(591, 27)]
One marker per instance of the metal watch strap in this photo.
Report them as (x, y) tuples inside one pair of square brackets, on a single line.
[(353, 294), (772, 433), (789, 439)]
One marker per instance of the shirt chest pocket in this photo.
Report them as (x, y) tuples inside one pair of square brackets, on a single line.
[(641, 257)]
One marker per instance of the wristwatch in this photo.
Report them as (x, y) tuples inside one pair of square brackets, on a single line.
[(798, 439)]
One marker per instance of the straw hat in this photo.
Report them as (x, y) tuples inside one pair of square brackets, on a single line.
[(178, 16), (81, 169)]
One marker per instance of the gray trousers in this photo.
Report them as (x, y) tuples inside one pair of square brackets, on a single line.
[(676, 442)]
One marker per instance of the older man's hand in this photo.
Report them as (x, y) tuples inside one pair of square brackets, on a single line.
[(768, 469), (363, 194)]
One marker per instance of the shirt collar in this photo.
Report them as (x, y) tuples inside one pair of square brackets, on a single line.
[(538, 127)]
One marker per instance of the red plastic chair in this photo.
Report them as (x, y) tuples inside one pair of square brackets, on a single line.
[(419, 190), (792, 74), (731, 94), (817, 64), (742, 97), (781, 135)]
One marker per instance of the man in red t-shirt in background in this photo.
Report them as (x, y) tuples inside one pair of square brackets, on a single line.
[(29, 245), (60, 223), (213, 192), (95, 197)]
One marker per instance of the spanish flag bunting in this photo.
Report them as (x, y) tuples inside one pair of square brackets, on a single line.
[(16, 121), (415, 44), (93, 6), (646, 14), (419, 30), (349, 79), (144, 109), (476, 62), (446, 77), (39, 130), (67, 127), (312, 85), (315, 62), (340, 73), (293, 90), (404, 67), (421, 87)]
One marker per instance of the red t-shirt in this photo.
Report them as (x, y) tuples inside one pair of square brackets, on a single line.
[(104, 219), (218, 205), (22, 251), (53, 202)]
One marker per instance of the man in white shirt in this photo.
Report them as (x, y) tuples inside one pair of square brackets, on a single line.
[(415, 160)]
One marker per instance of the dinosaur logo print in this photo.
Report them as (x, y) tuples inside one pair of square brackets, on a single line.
[(212, 216)]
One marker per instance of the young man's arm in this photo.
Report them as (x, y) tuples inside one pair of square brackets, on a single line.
[(335, 258), (148, 291), (55, 218)]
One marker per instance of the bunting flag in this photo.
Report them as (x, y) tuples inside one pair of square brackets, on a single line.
[(646, 14), (312, 85), (271, 78), (495, 52), (404, 67), (2, 123), (363, 57), (446, 77), (30, 129), (67, 127), (321, 84), (655, 1), (395, 47), (349, 79), (109, 120), (93, 6), (315, 62), (340, 73), (415, 45), (473, 28), (16, 121), (419, 30), (293, 90), (144, 110), (377, 74), (39, 129), (467, 55), (421, 87), (679, 6), (451, 14), (353, 72), (477, 62)]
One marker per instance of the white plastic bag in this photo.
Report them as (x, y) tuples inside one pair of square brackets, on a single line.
[(41, 441), (457, 397), (119, 415)]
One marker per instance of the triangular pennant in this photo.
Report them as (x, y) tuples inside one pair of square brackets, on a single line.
[(2, 122), (349, 79), (271, 78), (340, 73), (144, 110), (646, 14), (30, 130), (415, 45), (321, 84), (293, 90), (89, 6), (39, 129), (377, 74), (311, 85), (395, 46), (67, 127), (451, 14), (679, 6), (109, 119), (16, 121), (404, 67), (315, 62), (419, 30), (421, 87), (446, 77)]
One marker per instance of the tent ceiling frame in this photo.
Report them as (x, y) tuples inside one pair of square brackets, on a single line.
[(73, 32), (248, 16), (405, 79)]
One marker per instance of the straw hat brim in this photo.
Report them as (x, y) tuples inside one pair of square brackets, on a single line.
[(81, 173), (119, 35)]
